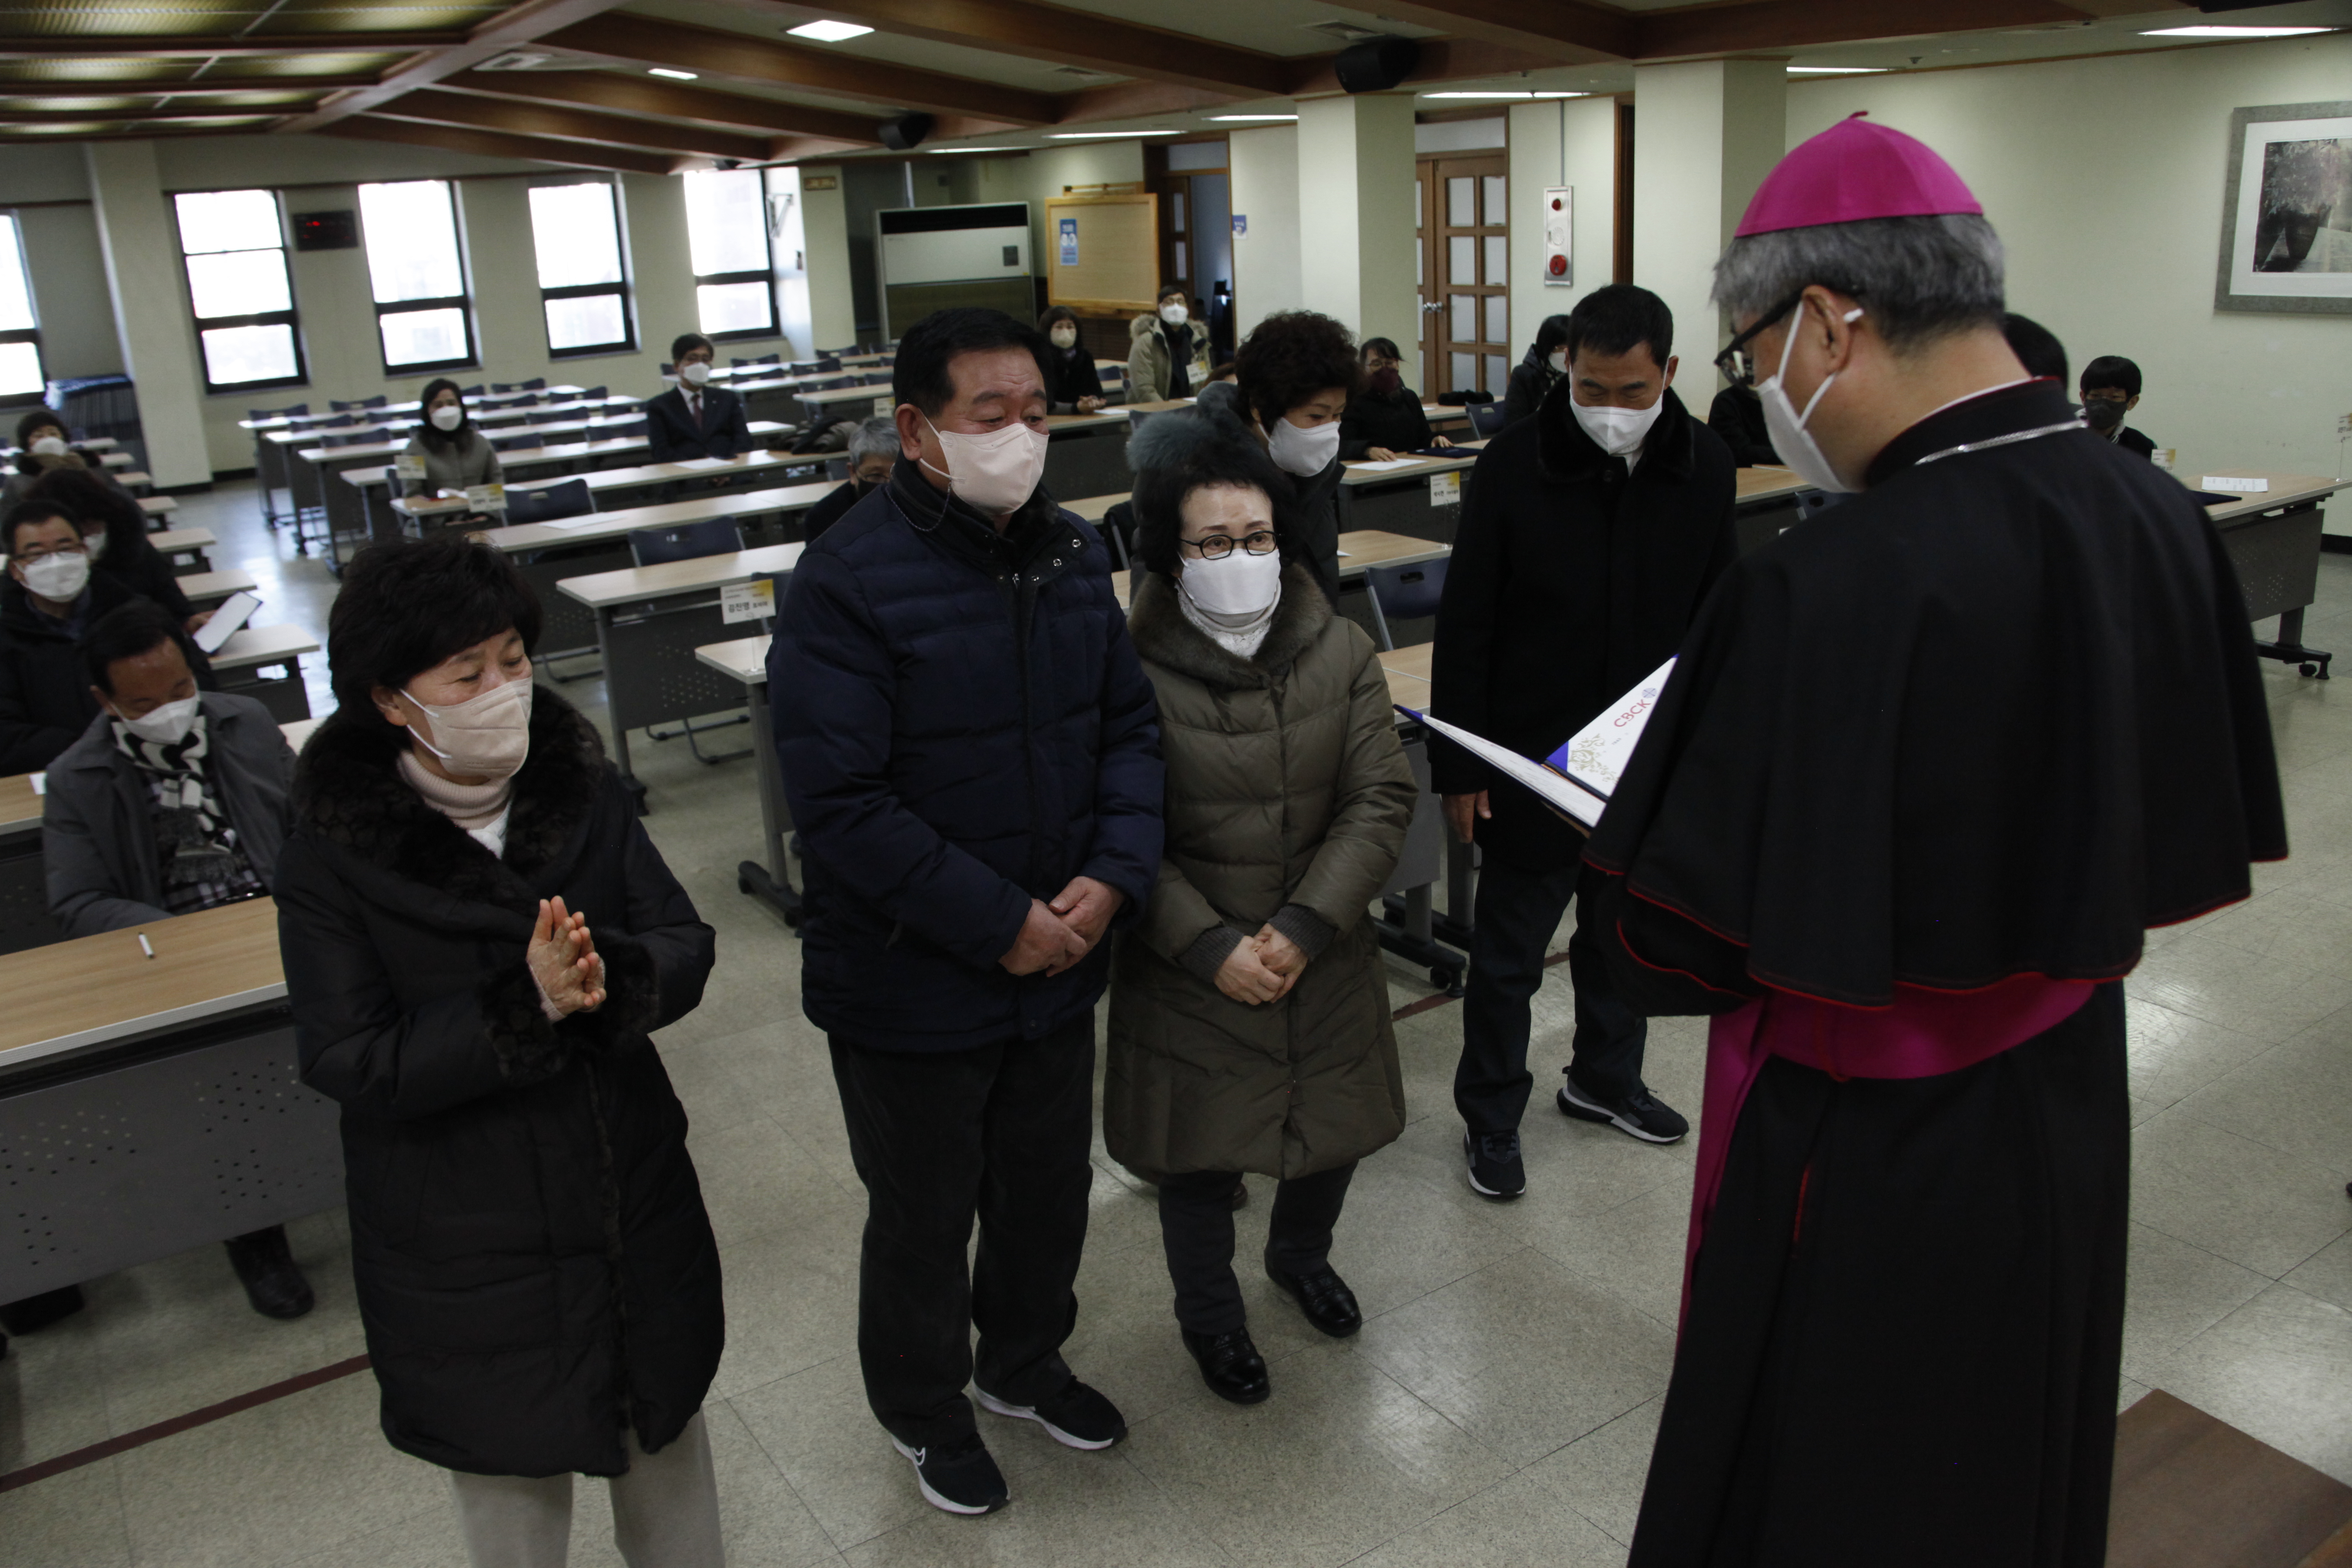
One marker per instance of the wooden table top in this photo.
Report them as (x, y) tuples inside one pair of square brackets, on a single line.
[(173, 541), (159, 506), (2286, 490), (250, 645), (1407, 669), (846, 394), (20, 805), (1361, 473), (743, 658), (618, 479), (596, 526), (80, 992), (1767, 483), (201, 585), (601, 589)]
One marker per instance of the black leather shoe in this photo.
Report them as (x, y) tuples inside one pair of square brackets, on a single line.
[(1324, 1297), (34, 1313), (1230, 1366), (265, 1266)]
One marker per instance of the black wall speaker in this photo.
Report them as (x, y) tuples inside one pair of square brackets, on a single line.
[(326, 231), (905, 132), (1377, 65)]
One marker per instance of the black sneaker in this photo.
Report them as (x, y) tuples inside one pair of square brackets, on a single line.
[(1496, 1168), (963, 1479), (1638, 1115), (265, 1266), (1077, 1418)]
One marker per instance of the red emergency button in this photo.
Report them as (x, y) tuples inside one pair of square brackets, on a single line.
[(1559, 265)]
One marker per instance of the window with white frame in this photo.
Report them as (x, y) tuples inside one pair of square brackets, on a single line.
[(232, 246), (583, 285), (727, 233), (422, 311)]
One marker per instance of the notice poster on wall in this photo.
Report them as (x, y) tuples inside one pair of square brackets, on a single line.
[(1241, 225), (1068, 228)]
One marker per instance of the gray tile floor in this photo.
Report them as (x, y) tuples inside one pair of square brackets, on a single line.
[(1498, 1407)]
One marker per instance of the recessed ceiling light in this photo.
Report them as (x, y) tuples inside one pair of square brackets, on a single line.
[(936, 150), (1238, 118), (2221, 30), (674, 76), (1839, 70), (1522, 96), (829, 32), (1101, 135)]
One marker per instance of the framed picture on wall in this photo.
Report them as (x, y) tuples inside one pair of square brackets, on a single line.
[(2286, 213)]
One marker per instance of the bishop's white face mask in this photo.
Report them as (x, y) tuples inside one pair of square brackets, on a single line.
[(1304, 452), (483, 737), (1786, 427), (1066, 337), (1235, 584), (50, 446), (165, 725), (994, 473), (694, 372), (1174, 313), (59, 577), (1618, 432), (447, 416)]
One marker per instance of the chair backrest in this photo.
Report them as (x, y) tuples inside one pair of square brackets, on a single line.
[(569, 498), (344, 405), (1485, 418), (556, 417), (620, 429), (280, 413), (684, 541), (517, 441), (502, 387), (338, 421), (590, 394), (469, 391), (1404, 593), (829, 363), (536, 383), (758, 359), (831, 381), (837, 468), (668, 369), (358, 438), (875, 378)]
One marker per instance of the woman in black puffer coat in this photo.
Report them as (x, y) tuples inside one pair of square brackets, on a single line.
[(536, 1274)]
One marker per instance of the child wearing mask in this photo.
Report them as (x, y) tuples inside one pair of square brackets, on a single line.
[(1073, 385), (2110, 389), (1385, 420)]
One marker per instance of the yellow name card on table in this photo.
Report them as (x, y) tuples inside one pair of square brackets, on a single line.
[(486, 498), (747, 601), (409, 465)]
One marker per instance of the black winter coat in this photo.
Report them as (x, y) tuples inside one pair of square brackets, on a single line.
[(1391, 419), (1569, 582), (962, 726), (44, 700), (1531, 381), (1070, 374), (1738, 417), (534, 1267), (674, 437)]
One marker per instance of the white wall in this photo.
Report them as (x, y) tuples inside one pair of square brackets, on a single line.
[(136, 233), (1571, 142), (1267, 276), (1357, 216), (1703, 143), (2104, 178)]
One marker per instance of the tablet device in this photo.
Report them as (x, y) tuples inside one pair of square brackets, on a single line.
[(234, 610)]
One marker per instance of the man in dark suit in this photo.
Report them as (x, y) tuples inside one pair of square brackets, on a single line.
[(695, 419)]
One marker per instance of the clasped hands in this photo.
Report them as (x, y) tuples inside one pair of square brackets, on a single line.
[(564, 960), (1056, 936), (1262, 968)]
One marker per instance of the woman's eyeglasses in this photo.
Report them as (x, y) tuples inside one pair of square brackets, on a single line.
[(1217, 546)]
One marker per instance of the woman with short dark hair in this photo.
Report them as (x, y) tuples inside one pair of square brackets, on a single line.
[(1293, 378), (1073, 384), (457, 456), (1249, 1015), (1386, 419), (478, 938), (106, 513), (44, 446)]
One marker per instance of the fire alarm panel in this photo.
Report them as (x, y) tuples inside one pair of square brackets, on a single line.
[(1558, 232)]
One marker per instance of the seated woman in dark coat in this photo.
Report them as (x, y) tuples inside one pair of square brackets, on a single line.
[(1385, 419), (1073, 384), (477, 938), (109, 514), (1532, 378)]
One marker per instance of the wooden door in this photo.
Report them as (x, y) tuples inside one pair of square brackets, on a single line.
[(1464, 274)]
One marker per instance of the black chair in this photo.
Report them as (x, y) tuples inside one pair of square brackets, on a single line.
[(557, 417), (1460, 399), (837, 469), (536, 383), (339, 422), (297, 410), (590, 393), (829, 363), (1486, 419), (1117, 530), (760, 359), (519, 441), (691, 542), (568, 497), (469, 391), (1406, 592), (668, 369), (358, 438)]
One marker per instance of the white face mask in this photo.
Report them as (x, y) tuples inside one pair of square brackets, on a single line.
[(59, 577), (1559, 362), (1235, 584), (50, 446), (166, 724), (1066, 337), (994, 473), (694, 372), (1786, 427), (1304, 452), (485, 737), (1618, 432), (1174, 314), (447, 416)]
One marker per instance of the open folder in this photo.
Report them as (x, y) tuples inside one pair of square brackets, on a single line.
[(1578, 779)]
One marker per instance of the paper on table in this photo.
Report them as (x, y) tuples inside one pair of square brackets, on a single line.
[(1389, 463), (2243, 487), (705, 462), (589, 520)]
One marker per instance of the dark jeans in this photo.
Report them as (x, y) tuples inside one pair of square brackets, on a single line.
[(1196, 1226), (1517, 913), (1002, 1132)]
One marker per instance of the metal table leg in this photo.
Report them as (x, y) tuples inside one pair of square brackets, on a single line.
[(773, 881)]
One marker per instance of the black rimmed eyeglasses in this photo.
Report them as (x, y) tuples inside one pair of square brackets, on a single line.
[(1737, 366), (1217, 546)]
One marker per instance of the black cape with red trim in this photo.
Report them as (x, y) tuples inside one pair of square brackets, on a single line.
[(1996, 715)]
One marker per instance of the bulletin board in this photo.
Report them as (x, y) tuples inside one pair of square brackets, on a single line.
[(1116, 244)]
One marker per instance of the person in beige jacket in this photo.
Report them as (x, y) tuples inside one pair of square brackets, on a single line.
[(1166, 351), (1249, 1014)]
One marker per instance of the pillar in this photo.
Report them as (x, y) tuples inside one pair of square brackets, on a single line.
[(1705, 135), (1357, 226), (139, 237), (1571, 142), (821, 216)]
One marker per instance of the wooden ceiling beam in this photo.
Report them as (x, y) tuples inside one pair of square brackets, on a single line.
[(28, 117), (208, 87), (444, 108), (670, 100), (1701, 31), (498, 144), (103, 45), (710, 51), (1063, 37), (512, 28), (1557, 31)]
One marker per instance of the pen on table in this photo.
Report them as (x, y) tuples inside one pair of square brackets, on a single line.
[(144, 946)]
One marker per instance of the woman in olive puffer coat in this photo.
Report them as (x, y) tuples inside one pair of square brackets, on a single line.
[(1249, 1015)]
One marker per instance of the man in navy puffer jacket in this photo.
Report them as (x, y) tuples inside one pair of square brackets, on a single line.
[(970, 752)]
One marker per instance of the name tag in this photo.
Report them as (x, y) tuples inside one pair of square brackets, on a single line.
[(409, 465), (486, 498), (1445, 490), (747, 601)]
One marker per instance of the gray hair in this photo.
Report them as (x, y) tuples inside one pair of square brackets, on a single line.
[(1920, 277), (877, 437)]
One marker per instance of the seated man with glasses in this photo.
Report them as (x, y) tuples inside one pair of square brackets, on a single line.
[(49, 600)]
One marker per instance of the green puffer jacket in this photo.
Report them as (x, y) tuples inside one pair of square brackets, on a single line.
[(1285, 785)]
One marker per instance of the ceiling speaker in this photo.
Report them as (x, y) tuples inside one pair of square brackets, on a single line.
[(1377, 65), (907, 130)]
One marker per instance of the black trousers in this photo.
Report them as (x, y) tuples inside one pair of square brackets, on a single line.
[(1196, 1226), (1518, 911), (1002, 1133)]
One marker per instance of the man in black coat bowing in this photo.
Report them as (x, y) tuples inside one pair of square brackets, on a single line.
[(1593, 532)]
